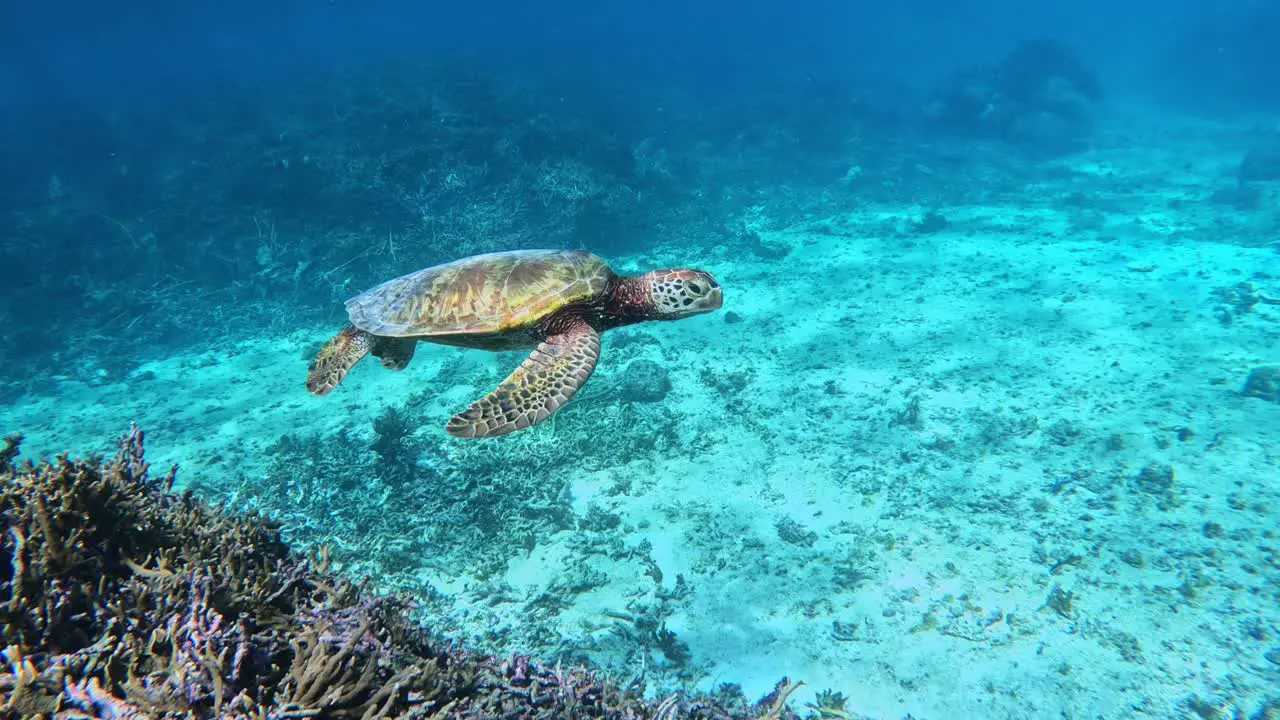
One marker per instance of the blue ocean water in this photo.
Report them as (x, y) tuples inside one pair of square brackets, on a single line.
[(985, 425)]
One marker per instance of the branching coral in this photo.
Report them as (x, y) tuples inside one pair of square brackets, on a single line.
[(120, 599)]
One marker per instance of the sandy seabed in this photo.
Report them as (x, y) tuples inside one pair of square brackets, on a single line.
[(1003, 469)]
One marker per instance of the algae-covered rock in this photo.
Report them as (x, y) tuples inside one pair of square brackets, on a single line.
[(1263, 382), (644, 381)]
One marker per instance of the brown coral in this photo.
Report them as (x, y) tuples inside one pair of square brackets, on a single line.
[(120, 599)]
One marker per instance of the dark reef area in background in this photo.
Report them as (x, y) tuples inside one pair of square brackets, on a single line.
[(184, 217), (120, 599), (222, 210), (1040, 97)]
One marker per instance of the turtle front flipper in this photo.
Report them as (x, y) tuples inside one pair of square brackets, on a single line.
[(336, 357), (545, 381), (395, 352)]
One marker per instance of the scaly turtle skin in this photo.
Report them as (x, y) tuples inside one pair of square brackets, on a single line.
[(557, 302)]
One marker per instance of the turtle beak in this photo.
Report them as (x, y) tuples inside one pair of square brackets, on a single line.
[(715, 298), (708, 297)]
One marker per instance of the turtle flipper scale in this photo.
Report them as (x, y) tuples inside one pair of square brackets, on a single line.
[(395, 352), (544, 382), (336, 357)]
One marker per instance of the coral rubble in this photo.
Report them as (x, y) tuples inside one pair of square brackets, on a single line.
[(121, 599)]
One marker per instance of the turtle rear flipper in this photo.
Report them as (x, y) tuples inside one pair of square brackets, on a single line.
[(545, 381), (336, 357)]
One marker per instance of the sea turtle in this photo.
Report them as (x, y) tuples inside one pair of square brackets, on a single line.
[(557, 301)]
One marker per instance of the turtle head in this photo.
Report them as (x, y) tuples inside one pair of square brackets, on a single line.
[(682, 292)]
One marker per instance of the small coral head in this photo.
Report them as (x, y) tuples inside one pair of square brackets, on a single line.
[(678, 293)]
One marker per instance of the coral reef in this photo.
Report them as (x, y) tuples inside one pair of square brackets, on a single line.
[(121, 599), (317, 188), (393, 500), (1263, 382), (1261, 162), (1039, 96), (644, 381)]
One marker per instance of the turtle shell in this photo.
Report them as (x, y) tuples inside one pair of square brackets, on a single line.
[(487, 294)]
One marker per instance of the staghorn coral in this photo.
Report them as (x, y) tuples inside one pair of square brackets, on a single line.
[(120, 599)]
